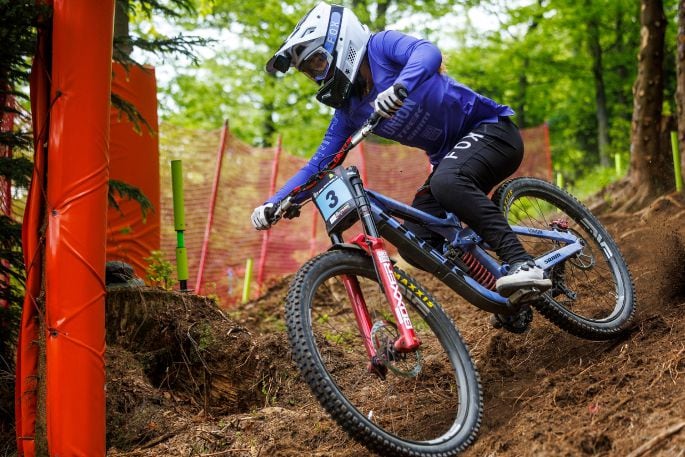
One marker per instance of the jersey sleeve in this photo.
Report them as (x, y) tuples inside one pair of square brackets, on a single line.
[(420, 59), (336, 135)]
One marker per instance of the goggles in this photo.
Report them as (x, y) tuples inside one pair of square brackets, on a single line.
[(317, 64)]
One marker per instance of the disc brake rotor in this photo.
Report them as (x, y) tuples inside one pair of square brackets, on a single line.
[(383, 336)]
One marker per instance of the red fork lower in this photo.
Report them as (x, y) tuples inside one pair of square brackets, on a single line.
[(408, 341), (361, 312)]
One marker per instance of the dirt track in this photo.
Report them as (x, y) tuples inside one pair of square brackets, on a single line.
[(545, 392)]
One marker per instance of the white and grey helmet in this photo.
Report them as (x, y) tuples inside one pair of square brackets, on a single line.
[(328, 45)]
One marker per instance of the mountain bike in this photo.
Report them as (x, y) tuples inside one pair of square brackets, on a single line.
[(377, 349)]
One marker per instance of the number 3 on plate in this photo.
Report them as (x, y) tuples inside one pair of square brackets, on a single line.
[(332, 198)]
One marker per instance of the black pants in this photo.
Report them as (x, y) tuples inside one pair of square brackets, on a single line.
[(461, 181)]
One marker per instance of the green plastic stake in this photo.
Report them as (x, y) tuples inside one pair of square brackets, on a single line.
[(179, 223), (617, 164), (560, 180), (676, 162), (177, 189), (248, 281)]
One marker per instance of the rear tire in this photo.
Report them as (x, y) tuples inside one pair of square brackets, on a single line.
[(435, 413), (592, 295)]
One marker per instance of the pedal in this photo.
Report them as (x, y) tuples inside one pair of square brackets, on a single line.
[(524, 295)]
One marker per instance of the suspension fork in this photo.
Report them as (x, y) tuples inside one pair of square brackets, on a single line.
[(371, 242)]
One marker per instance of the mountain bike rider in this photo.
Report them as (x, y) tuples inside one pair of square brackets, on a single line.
[(470, 140)]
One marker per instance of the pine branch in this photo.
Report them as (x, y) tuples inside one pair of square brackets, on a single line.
[(18, 169), (171, 8), (180, 45), (128, 192), (16, 140), (127, 108)]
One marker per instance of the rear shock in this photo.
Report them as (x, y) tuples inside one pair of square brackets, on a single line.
[(473, 267)]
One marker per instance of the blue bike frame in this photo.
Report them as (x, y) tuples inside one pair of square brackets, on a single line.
[(384, 209)]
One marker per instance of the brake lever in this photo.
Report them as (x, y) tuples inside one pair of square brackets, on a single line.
[(370, 124), (283, 210)]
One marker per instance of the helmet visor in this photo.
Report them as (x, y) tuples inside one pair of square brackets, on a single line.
[(317, 64)]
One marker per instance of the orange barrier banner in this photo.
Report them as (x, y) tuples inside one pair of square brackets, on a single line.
[(77, 185), (134, 160)]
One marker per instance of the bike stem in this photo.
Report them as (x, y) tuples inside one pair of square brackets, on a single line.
[(371, 242)]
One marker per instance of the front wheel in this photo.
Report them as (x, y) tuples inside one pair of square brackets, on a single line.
[(428, 403), (592, 295)]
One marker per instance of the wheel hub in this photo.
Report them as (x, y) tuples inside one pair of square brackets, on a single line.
[(383, 336)]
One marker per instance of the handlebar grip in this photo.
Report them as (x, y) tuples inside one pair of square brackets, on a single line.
[(270, 212), (401, 91)]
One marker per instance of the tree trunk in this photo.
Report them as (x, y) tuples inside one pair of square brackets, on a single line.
[(600, 93), (523, 89), (649, 164), (680, 78), (381, 14), (121, 25)]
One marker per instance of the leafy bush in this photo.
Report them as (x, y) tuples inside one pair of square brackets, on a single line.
[(159, 271)]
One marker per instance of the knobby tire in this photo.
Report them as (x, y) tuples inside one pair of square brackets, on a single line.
[(310, 286)]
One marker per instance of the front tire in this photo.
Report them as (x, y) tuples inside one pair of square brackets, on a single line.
[(592, 296), (436, 412)]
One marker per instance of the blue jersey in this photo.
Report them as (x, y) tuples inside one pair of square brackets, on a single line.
[(437, 113)]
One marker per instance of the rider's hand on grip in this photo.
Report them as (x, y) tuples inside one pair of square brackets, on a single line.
[(390, 100), (263, 216)]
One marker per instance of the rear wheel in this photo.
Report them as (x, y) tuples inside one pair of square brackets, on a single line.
[(426, 403), (592, 294)]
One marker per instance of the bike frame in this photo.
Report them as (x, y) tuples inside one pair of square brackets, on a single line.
[(377, 214)]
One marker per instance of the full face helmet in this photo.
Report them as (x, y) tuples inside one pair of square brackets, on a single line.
[(328, 45)]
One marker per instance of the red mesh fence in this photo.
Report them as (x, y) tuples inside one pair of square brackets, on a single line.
[(393, 170)]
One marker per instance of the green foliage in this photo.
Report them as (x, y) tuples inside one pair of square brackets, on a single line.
[(539, 62), (589, 183), (159, 270)]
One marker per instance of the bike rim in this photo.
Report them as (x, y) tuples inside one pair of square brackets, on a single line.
[(587, 285)]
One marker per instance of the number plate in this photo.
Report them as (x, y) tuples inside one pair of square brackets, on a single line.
[(334, 200)]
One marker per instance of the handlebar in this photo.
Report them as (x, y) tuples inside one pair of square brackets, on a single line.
[(287, 208)]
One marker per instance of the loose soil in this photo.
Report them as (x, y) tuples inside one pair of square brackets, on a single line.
[(185, 379)]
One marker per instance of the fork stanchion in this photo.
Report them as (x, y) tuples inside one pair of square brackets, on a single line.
[(179, 223)]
